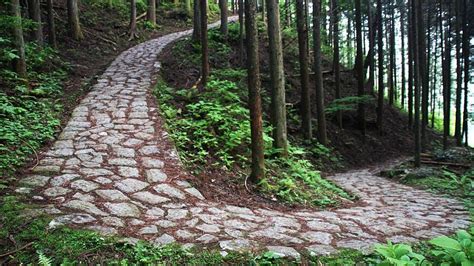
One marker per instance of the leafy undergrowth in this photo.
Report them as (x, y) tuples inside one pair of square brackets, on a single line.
[(211, 129), (457, 182), (29, 110)]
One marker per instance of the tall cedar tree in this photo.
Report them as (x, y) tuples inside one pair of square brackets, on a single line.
[(466, 52), (402, 37), (223, 8), (35, 15), (197, 21), (151, 12), (278, 104), (380, 86), (411, 69), (424, 76), (322, 134), (133, 20), (359, 66), (419, 34), (19, 62), (255, 103), (458, 122), (304, 69), (51, 25), (204, 44), (336, 56), (73, 19), (447, 79), (241, 31)]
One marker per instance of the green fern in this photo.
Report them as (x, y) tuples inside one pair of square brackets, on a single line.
[(44, 260)]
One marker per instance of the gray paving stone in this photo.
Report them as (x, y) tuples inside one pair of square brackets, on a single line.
[(207, 238), (283, 251), (111, 195), (84, 185), (164, 240), (149, 197), (169, 190), (84, 206), (128, 171), (62, 179), (236, 245), (195, 193), (123, 209), (35, 180), (130, 185), (151, 229), (155, 176), (56, 191), (176, 214), (208, 228)]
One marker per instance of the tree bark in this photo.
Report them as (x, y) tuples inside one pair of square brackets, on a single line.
[(402, 33), (151, 12), (410, 64), (35, 15), (322, 134), (336, 57), (304, 67), (391, 74), (466, 53), (380, 97), (424, 75), (278, 104), (204, 45), (418, 62), (447, 82), (73, 19), (133, 20), (20, 62), (459, 83), (253, 79), (223, 7), (51, 25), (197, 21), (359, 67), (241, 31), (189, 9)]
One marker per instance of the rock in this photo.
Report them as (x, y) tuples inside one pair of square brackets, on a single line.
[(195, 193), (155, 211), (164, 240), (208, 228), (84, 185), (123, 161), (77, 218), (112, 195), (56, 191), (149, 150), (62, 179), (184, 234), (130, 185), (128, 171), (323, 226), (322, 250), (152, 229), (113, 221), (236, 245), (35, 181), (283, 251), (318, 237), (104, 230), (123, 209), (84, 206), (176, 214), (149, 197), (206, 239), (169, 190), (155, 176), (236, 209), (152, 163)]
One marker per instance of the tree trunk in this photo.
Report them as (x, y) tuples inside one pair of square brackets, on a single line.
[(288, 13), (278, 104), (232, 2), (241, 31), (391, 74), (466, 52), (410, 65), (20, 62), (402, 33), (197, 22), (255, 103), (370, 61), (204, 45), (447, 82), (151, 12), (336, 58), (380, 86), (51, 24), (304, 67), (133, 20), (189, 9), (359, 67), (223, 7), (35, 15), (423, 66), (73, 19), (349, 42), (418, 62), (322, 134), (459, 83)]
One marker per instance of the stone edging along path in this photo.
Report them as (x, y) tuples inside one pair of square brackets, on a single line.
[(114, 170)]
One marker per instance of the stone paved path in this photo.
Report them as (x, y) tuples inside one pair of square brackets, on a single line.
[(107, 172)]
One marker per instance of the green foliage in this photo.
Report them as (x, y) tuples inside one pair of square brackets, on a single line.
[(347, 103), (455, 251), (399, 255)]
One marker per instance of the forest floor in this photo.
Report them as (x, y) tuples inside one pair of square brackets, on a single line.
[(115, 170)]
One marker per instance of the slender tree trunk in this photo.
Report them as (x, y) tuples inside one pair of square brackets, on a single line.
[(232, 2), (20, 62), (255, 105), (263, 10), (391, 74), (371, 53), (51, 24), (359, 66), (336, 58), (424, 74), (288, 13), (197, 21), (402, 33), (73, 19), (133, 20), (447, 82), (466, 52), (322, 134), (151, 12), (380, 97), (411, 70), (459, 83), (223, 7), (241, 31), (189, 9), (204, 45), (35, 15), (304, 67), (418, 62), (278, 104)]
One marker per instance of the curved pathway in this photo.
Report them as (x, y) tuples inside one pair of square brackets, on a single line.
[(114, 170)]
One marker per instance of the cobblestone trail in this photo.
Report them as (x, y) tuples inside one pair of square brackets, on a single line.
[(114, 170)]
